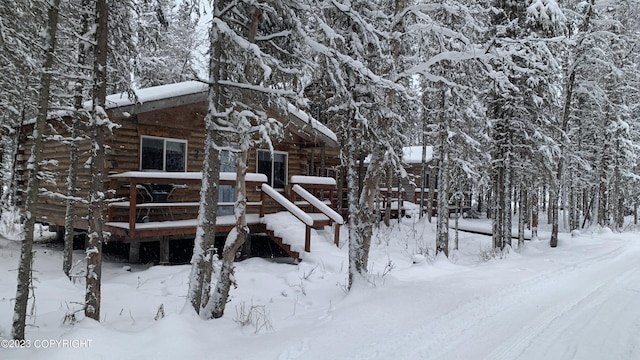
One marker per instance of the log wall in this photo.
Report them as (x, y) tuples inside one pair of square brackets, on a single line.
[(185, 122)]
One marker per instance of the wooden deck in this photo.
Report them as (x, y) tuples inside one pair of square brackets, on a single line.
[(135, 215)]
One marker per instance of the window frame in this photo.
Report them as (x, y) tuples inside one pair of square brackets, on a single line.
[(271, 156), (164, 151)]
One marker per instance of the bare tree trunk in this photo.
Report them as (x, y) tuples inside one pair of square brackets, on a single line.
[(432, 190), (31, 201), (521, 216), (553, 206), (603, 188), (352, 179), (534, 215), (442, 228), (234, 241), (387, 210), (617, 202), (69, 219), (496, 208), (96, 236), (507, 202), (240, 234), (574, 221), (544, 198), (423, 167), (203, 247)]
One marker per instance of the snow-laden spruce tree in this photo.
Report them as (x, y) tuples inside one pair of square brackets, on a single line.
[(522, 73), (450, 34), (599, 94), (165, 38), (20, 65), (354, 43)]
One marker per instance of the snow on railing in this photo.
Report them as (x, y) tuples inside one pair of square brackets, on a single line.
[(291, 207), (318, 204), (313, 180)]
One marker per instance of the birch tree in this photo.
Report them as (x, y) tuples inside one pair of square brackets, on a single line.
[(252, 69)]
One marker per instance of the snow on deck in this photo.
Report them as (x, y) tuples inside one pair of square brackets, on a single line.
[(252, 219), (189, 175)]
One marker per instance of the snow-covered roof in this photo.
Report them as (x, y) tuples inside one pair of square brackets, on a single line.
[(155, 93), (312, 123), (187, 92), (411, 155)]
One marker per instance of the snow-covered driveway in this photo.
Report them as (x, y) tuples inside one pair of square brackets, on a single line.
[(580, 301)]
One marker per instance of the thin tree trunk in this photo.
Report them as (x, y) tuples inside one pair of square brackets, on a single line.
[(387, 209), (234, 241), (240, 234), (432, 190), (31, 201), (534, 215), (521, 216), (496, 208), (203, 247), (442, 228), (423, 168), (96, 236), (507, 201), (69, 219)]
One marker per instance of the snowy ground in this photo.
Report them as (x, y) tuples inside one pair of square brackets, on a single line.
[(578, 301)]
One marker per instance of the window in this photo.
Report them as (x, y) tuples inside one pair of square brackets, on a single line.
[(163, 154), (427, 179), (275, 167), (226, 193)]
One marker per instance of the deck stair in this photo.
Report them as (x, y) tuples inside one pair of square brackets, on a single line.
[(286, 247)]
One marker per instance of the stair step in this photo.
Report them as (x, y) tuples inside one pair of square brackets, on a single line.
[(285, 247)]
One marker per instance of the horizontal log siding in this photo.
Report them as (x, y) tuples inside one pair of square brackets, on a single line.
[(184, 122)]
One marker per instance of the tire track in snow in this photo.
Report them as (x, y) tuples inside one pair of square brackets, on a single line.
[(591, 298), (434, 339)]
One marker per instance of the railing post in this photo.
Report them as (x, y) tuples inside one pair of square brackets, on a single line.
[(263, 200), (110, 195), (132, 209), (336, 235), (307, 239)]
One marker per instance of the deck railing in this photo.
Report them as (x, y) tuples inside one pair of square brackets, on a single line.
[(136, 181)]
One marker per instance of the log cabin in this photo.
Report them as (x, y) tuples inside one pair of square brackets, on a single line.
[(412, 191), (154, 159)]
